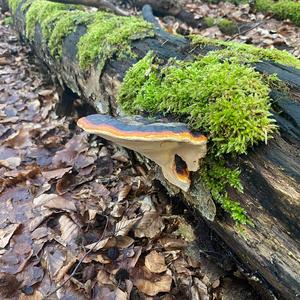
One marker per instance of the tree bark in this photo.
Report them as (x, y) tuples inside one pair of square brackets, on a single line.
[(270, 173)]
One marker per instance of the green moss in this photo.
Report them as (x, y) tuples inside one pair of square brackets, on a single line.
[(244, 53), (108, 35), (282, 9), (14, 4), (219, 179), (209, 21), (8, 21), (226, 101), (46, 14), (66, 23), (226, 26)]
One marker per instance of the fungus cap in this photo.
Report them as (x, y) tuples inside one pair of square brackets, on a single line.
[(171, 145)]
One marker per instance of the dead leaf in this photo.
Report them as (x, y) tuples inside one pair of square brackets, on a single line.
[(69, 230), (55, 260), (54, 201), (124, 226), (150, 225), (56, 174), (103, 278), (155, 262), (6, 234), (36, 296), (20, 139), (123, 193), (152, 284), (172, 244)]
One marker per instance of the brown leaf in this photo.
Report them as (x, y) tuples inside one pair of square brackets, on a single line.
[(172, 244), (6, 234), (97, 245), (69, 230), (155, 262), (54, 201), (124, 242), (103, 278), (35, 296), (72, 149), (55, 260), (20, 139), (124, 192), (65, 184), (151, 225), (152, 284), (124, 226), (57, 173), (199, 290)]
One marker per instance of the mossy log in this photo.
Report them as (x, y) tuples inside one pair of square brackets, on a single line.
[(270, 173)]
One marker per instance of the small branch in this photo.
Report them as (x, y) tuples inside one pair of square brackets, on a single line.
[(100, 4), (78, 264), (247, 30)]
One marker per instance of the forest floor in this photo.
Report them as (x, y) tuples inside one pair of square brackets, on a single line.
[(79, 218)]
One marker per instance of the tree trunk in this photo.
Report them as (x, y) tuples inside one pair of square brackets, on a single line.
[(270, 173)]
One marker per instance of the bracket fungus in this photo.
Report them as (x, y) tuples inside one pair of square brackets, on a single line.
[(171, 145)]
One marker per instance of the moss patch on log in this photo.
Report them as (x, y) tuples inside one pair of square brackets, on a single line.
[(244, 53), (227, 101), (109, 34), (106, 34), (282, 9)]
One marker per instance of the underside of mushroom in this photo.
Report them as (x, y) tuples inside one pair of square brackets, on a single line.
[(170, 145)]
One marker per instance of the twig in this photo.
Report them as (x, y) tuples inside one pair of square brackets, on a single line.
[(78, 264), (100, 4), (245, 31)]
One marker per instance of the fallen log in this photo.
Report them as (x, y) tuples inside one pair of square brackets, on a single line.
[(270, 173)]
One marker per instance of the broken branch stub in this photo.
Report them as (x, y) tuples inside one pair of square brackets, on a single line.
[(171, 145)]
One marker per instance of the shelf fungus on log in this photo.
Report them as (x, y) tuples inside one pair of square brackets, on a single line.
[(171, 145)]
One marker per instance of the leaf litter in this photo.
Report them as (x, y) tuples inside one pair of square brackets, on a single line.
[(76, 205)]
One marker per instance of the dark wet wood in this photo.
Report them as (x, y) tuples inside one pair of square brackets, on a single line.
[(270, 173)]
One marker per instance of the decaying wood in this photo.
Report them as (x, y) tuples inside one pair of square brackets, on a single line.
[(270, 173)]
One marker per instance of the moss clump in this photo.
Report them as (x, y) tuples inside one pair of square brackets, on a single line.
[(8, 21), (227, 101), (106, 35), (14, 4), (109, 34), (219, 178), (244, 53), (282, 9), (44, 13), (209, 21), (65, 24), (226, 26)]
